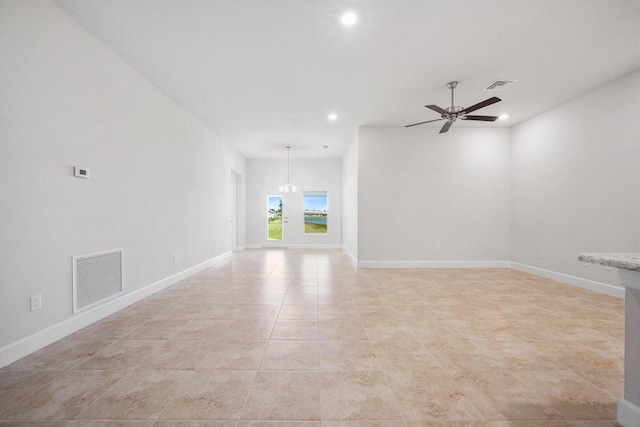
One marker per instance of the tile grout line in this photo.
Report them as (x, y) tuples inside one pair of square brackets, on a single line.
[(130, 372)]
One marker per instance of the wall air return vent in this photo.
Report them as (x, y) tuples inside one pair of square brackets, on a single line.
[(96, 278), (500, 85)]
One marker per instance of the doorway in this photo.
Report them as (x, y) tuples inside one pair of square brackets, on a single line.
[(234, 198), (277, 221)]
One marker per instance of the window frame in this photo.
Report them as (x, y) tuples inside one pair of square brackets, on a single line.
[(324, 193)]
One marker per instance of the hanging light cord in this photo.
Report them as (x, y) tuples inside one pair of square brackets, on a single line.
[(288, 187), (288, 160)]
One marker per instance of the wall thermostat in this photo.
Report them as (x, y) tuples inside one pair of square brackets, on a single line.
[(81, 172)]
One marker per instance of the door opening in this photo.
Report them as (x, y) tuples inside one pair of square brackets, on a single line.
[(233, 209), (276, 221)]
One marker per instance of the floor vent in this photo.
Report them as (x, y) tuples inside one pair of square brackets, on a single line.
[(500, 85), (96, 278)]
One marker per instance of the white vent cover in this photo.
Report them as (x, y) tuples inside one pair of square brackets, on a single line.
[(96, 278), (500, 85)]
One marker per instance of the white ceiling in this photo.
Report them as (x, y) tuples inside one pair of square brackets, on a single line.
[(264, 74)]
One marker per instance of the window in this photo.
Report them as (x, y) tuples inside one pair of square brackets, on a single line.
[(316, 209), (274, 215)]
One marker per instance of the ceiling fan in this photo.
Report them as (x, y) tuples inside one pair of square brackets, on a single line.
[(453, 113)]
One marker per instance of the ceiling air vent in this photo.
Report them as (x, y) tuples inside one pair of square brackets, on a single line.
[(500, 85)]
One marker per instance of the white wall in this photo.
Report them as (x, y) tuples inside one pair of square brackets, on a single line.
[(159, 179), (350, 198), (576, 185), (263, 179), (418, 189)]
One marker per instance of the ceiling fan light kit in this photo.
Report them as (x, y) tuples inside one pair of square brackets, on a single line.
[(454, 112)]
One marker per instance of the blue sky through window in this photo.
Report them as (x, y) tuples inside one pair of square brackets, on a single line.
[(315, 203), (274, 202)]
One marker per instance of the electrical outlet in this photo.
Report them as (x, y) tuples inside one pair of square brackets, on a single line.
[(36, 302), (175, 257), (437, 249), (541, 254)]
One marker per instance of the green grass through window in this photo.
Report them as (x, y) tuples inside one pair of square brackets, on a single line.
[(275, 229)]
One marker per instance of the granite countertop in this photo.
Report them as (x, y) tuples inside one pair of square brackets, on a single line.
[(627, 261)]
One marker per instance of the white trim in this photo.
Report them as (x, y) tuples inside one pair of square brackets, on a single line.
[(603, 288), (27, 345), (274, 244), (240, 248), (314, 246), (628, 413), (351, 256), (253, 246), (433, 264)]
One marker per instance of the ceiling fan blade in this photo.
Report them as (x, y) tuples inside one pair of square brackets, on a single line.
[(480, 105), (480, 118), (421, 123), (446, 127), (438, 109)]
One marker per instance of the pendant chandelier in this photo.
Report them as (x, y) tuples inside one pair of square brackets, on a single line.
[(288, 188)]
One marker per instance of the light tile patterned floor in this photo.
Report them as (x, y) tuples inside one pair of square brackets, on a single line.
[(303, 338)]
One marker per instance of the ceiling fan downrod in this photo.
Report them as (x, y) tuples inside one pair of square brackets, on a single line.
[(452, 86), (453, 110)]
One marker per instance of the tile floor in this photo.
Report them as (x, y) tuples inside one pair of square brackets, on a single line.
[(303, 338)]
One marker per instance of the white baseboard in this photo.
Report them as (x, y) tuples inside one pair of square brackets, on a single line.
[(240, 248), (351, 256), (603, 288), (298, 246), (27, 345), (628, 413), (433, 264), (314, 246)]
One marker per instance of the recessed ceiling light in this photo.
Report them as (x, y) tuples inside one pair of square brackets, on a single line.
[(333, 116), (504, 117), (349, 18)]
